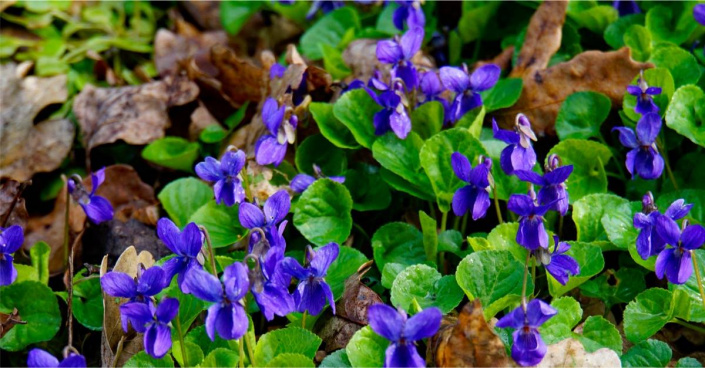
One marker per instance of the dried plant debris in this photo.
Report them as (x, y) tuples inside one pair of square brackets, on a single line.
[(12, 205)]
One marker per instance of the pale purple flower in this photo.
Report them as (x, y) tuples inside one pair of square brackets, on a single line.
[(675, 263), (154, 323), (394, 115), (532, 231), (270, 219), (226, 176), (148, 283), (399, 52), (467, 87), (409, 11), (11, 240), (557, 263), (40, 358), (97, 208), (699, 13), (553, 187), (644, 102), (432, 89), (186, 245), (270, 284), (313, 291), (519, 154), (271, 148), (643, 160), (528, 348)]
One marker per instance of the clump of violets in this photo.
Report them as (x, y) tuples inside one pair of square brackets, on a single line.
[(301, 182), (226, 316), (676, 263), (11, 240), (649, 241), (40, 358), (281, 123), (519, 154), (313, 290), (532, 231), (154, 323), (553, 187), (186, 245), (643, 93), (398, 52), (148, 283), (474, 196), (97, 208), (644, 159), (528, 348), (557, 263), (394, 115), (269, 219), (226, 176), (270, 284), (409, 11), (467, 87), (403, 332)]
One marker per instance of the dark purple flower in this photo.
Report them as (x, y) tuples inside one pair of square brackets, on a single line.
[(675, 262), (226, 316), (40, 358), (649, 242), (398, 52), (325, 6), (97, 208), (467, 87), (186, 245), (267, 219), (553, 187), (394, 115), (626, 7), (432, 89), (154, 323), (644, 102), (409, 11), (11, 240), (226, 176), (148, 283), (312, 292), (271, 148), (532, 232), (557, 263), (270, 284), (644, 159), (519, 154), (528, 348), (301, 182), (474, 196), (699, 13), (403, 333)]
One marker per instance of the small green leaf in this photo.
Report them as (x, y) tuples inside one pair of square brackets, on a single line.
[(333, 62), (401, 156), (647, 314), (172, 152), (427, 119), (430, 235), (337, 359), (600, 333), (88, 302), (591, 262), (322, 214), (194, 355), (688, 362), (366, 348), (615, 287), (424, 285), (291, 360), (367, 188), (472, 121), (199, 337), (638, 39), (213, 133), (592, 16), (619, 224), (504, 94), (234, 14), (690, 307), (588, 159), (39, 253), (183, 197), (235, 119), (317, 150), (649, 353), (390, 272), (503, 237), (328, 30), (614, 33), (38, 306), (582, 114), (294, 340), (221, 221), (221, 357), (686, 113), (397, 182), (355, 110), (476, 18), (348, 261), (666, 26), (331, 128), (589, 211), (143, 360), (398, 242), (560, 326), (681, 63)]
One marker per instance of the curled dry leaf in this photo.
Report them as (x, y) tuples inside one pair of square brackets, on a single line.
[(200, 119), (205, 13), (12, 206), (8, 321), (240, 80), (170, 49), (112, 328), (26, 148), (570, 353), (467, 341), (135, 114), (546, 88)]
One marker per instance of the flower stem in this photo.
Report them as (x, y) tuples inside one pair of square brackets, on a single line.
[(211, 254), (303, 320), (697, 276), (533, 276), (181, 340), (66, 223), (120, 345), (241, 342), (689, 325), (496, 205), (246, 185), (464, 224), (523, 286), (664, 152)]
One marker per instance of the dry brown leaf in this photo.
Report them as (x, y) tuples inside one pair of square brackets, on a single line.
[(8, 321), (205, 13), (361, 57), (26, 148), (200, 119), (171, 48), (571, 353), (543, 38), (135, 114), (241, 80), (503, 60), (12, 206), (467, 341), (112, 328)]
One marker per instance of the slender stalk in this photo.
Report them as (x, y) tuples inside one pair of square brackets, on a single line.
[(66, 223), (670, 174), (211, 254), (533, 277), (119, 351), (693, 256), (303, 320), (523, 286), (444, 221), (246, 184), (496, 205), (664, 152), (456, 222), (241, 342), (464, 224), (181, 340), (689, 325), (560, 227), (250, 352), (441, 255)]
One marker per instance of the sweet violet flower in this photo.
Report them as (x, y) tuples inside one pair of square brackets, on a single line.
[(649, 242), (40, 358), (148, 283), (528, 348), (312, 292), (699, 13), (11, 240), (532, 232), (409, 11), (468, 86), (268, 219), (644, 102), (398, 52), (226, 176), (519, 154), (644, 159), (271, 148), (557, 263), (301, 182), (394, 115), (270, 284), (185, 244), (553, 187), (626, 7), (474, 196), (97, 208), (154, 323), (432, 89), (403, 332), (675, 262), (226, 316)]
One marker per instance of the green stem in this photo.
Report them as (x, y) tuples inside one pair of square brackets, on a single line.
[(664, 152), (496, 205), (693, 256), (241, 342), (250, 352), (444, 221), (523, 286), (689, 325), (533, 276), (246, 184), (181, 340), (303, 320), (464, 224), (456, 222), (211, 254), (560, 227), (432, 209)]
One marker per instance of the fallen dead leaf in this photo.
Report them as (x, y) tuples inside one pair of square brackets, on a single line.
[(570, 353), (241, 81), (26, 148), (8, 321), (136, 114), (361, 57), (546, 88), (205, 13), (200, 119), (503, 60), (12, 206), (171, 48)]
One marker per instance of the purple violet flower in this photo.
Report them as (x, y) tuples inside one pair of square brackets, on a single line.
[(154, 323), (399, 52), (267, 219), (270, 284), (699, 13), (325, 6), (276, 71), (649, 242), (532, 232), (271, 148), (185, 244), (528, 348), (394, 115), (301, 182), (519, 154), (675, 262), (553, 187), (40, 358), (226, 176), (644, 102), (626, 7), (148, 283), (474, 196), (432, 89), (226, 316), (467, 87), (312, 292), (644, 159), (409, 11), (97, 208), (11, 240), (557, 263), (403, 332)]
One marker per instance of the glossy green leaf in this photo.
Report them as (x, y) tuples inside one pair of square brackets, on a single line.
[(143, 360), (366, 348), (172, 152), (503, 237), (333, 62), (234, 14), (475, 18), (614, 33), (328, 30), (595, 17), (504, 94), (38, 306), (667, 26), (199, 337), (367, 188), (582, 114), (221, 221), (390, 272), (317, 150), (221, 357), (331, 128), (686, 113), (236, 118), (294, 340), (213, 133), (88, 302), (291, 360), (472, 121), (560, 326), (39, 254), (322, 214), (690, 306), (649, 353), (591, 262), (600, 333), (398, 242), (193, 355), (638, 39), (614, 287), (619, 224), (355, 110), (506, 184), (427, 287), (427, 119), (348, 261), (337, 359), (681, 63), (430, 235), (183, 197), (589, 211), (588, 159), (397, 182), (401, 156), (647, 314)]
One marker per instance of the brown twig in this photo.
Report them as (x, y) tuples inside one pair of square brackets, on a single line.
[(21, 189), (69, 312)]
